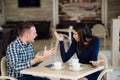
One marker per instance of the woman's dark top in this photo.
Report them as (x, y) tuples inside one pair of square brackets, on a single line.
[(88, 53)]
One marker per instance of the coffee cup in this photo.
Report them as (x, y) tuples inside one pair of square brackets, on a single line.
[(75, 66), (57, 65), (74, 61)]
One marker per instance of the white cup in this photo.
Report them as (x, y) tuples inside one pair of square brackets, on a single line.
[(76, 66), (74, 61), (57, 65)]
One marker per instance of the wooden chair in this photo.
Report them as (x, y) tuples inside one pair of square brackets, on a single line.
[(4, 70), (103, 75)]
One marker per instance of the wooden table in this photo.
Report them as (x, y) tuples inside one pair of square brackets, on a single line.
[(64, 73)]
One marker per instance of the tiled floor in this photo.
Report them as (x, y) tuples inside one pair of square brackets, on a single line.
[(39, 46)]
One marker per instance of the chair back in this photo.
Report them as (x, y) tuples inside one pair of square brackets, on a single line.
[(3, 66), (99, 30), (4, 70), (101, 56)]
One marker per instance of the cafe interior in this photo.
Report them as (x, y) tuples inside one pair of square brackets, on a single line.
[(102, 17)]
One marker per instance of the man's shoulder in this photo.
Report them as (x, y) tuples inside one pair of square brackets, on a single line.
[(14, 43)]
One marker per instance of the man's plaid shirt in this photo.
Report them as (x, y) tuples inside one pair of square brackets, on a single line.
[(18, 56)]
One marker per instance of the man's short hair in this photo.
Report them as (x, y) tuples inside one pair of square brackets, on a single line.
[(23, 27)]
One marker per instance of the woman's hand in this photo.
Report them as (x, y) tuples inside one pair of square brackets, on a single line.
[(59, 36), (96, 63)]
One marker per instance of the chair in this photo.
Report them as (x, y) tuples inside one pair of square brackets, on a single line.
[(100, 31), (103, 75), (4, 71)]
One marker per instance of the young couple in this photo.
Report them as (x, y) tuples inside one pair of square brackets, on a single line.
[(20, 53)]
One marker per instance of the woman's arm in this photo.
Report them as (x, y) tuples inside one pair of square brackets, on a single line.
[(67, 55), (96, 47)]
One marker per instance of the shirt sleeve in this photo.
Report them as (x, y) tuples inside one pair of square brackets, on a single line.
[(96, 47), (67, 55)]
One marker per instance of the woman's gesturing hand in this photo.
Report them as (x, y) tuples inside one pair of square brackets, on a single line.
[(58, 36)]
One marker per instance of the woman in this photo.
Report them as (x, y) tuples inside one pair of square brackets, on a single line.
[(85, 46)]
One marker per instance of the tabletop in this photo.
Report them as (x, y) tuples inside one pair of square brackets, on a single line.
[(65, 73)]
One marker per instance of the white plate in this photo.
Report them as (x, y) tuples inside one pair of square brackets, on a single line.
[(76, 69), (70, 64), (57, 68)]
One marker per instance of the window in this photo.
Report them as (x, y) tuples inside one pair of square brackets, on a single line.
[(28, 3)]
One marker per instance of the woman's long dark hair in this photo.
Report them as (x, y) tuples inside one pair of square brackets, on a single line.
[(83, 33)]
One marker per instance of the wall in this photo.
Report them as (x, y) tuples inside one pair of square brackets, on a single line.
[(113, 11), (1, 19), (1, 12), (13, 12)]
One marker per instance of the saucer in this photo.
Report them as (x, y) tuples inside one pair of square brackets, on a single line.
[(71, 68), (57, 68), (70, 64)]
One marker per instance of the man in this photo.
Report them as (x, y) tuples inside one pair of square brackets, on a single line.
[(20, 54)]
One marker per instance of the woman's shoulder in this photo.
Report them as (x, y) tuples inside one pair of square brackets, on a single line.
[(95, 37)]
